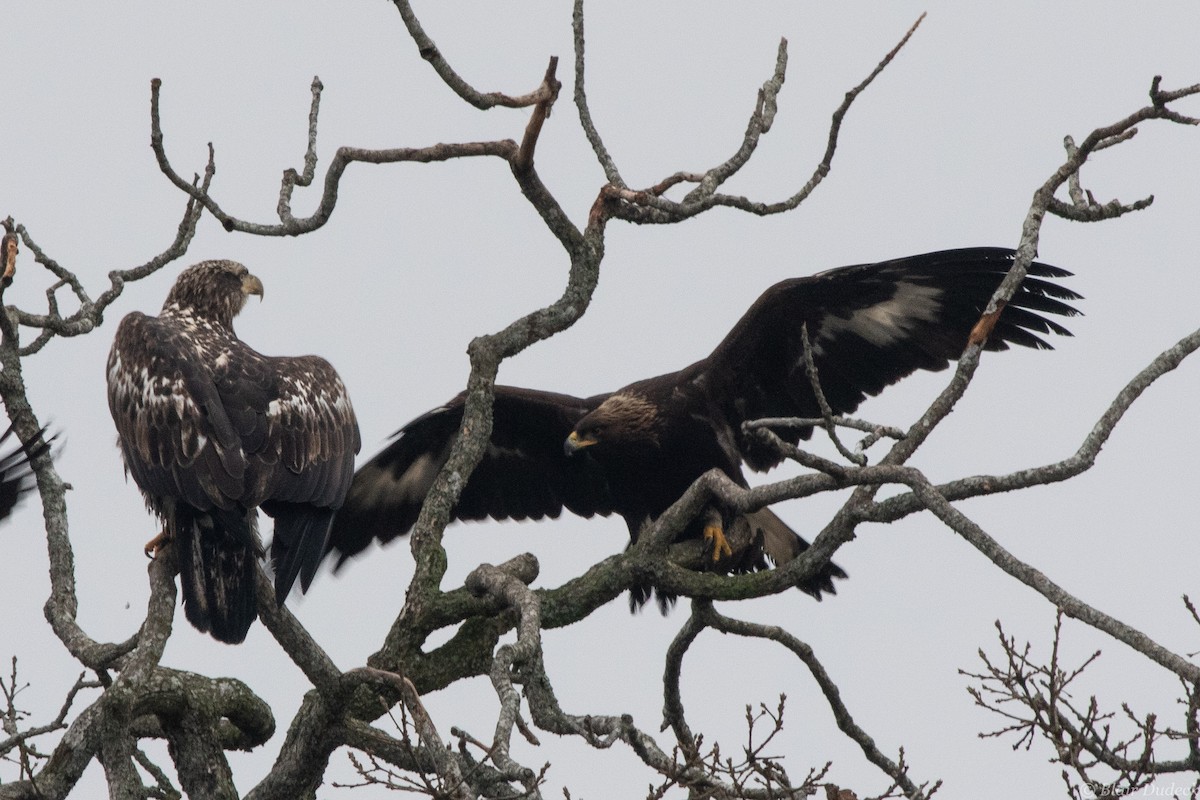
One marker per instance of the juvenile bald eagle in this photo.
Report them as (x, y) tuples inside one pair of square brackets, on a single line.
[(16, 477), (211, 430), (635, 451)]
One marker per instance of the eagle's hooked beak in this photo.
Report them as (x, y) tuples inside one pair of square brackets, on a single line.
[(252, 285), (575, 443)]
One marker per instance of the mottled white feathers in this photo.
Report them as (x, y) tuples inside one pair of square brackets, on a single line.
[(211, 430), (885, 323)]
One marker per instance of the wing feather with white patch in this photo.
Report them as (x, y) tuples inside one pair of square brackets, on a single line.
[(524, 473), (869, 326)]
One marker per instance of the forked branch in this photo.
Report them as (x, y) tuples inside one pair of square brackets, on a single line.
[(650, 206)]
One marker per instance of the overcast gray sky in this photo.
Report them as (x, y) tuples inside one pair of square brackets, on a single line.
[(944, 150)]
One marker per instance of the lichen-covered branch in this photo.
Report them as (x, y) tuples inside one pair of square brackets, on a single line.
[(512, 592), (203, 718), (27, 756), (611, 173), (90, 313), (345, 156), (1082, 460), (481, 100)]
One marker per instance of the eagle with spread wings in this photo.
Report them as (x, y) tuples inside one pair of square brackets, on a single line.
[(212, 430), (634, 452)]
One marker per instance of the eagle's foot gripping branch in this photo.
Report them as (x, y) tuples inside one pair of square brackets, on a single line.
[(152, 547), (714, 535)]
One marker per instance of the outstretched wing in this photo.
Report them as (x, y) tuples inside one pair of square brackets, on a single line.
[(16, 477), (524, 473), (869, 326)]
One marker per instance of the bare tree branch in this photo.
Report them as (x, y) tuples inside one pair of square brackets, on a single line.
[(649, 207), (841, 714), (1035, 698), (611, 173), (203, 718), (344, 157)]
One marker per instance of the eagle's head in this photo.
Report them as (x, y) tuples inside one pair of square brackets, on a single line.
[(623, 421), (213, 290)]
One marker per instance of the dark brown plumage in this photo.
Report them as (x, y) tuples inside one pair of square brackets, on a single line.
[(211, 430), (635, 451), (16, 476)]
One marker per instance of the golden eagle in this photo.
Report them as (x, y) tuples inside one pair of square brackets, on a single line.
[(211, 430), (635, 451)]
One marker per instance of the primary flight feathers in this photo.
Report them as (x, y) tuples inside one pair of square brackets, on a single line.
[(635, 451), (211, 430), (16, 476)]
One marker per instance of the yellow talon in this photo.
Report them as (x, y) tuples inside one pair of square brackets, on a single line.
[(151, 548), (720, 545)]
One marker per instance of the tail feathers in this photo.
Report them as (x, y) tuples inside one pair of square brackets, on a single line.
[(301, 538), (781, 544), (760, 533), (218, 554), (640, 594)]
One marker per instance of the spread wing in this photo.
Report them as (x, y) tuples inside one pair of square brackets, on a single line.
[(523, 475), (16, 477), (216, 424), (869, 326)]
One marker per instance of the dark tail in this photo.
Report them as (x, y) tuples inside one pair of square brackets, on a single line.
[(218, 553), (301, 537), (771, 537), (781, 544), (640, 594)]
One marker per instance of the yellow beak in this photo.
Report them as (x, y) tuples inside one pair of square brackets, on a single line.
[(575, 443), (252, 285)]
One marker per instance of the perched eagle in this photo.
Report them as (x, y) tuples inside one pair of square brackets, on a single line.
[(211, 430), (16, 477), (635, 451)]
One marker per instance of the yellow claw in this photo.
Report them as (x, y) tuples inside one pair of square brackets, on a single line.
[(151, 548), (714, 534)]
